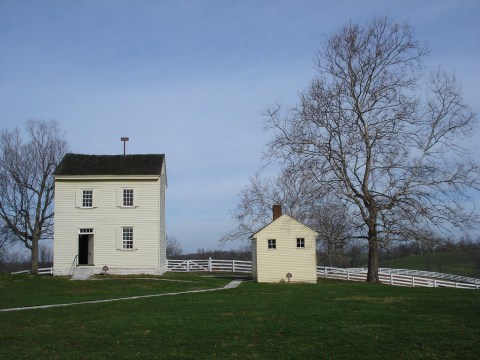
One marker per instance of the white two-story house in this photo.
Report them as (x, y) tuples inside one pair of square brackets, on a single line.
[(110, 211)]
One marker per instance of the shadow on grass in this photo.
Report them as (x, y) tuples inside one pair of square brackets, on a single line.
[(229, 276)]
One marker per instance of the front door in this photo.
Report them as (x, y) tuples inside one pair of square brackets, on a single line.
[(85, 249)]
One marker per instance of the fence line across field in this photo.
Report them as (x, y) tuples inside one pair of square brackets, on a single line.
[(398, 277)]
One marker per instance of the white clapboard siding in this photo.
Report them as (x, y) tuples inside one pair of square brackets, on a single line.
[(163, 232), (107, 217)]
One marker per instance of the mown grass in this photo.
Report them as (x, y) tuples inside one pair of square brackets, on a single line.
[(30, 290), (465, 263), (329, 320)]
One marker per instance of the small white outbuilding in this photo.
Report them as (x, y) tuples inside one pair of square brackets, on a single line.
[(284, 250)]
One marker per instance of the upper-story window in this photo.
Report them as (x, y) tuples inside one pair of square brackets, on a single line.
[(300, 243), (87, 198), (272, 244), (127, 197)]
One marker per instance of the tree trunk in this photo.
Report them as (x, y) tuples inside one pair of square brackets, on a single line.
[(372, 274), (34, 260), (330, 255)]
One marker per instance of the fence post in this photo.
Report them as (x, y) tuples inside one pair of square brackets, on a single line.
[(348, 273), (188, 265), (326, 273), (391, 279), (413, 281), (434, 283), (210, 264), (233, 265)]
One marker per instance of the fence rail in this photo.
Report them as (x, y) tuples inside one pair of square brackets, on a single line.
[(395, 277), (430, 274), (210, 265), (42, 271)]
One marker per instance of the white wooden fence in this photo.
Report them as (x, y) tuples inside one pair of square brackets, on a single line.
[(398, 277), (430, 274), (42, 271), (209, 265)]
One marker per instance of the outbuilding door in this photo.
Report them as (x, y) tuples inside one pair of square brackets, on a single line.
[(85, 249)]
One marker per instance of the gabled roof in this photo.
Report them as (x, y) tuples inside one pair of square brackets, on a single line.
[(253, 236), (80, 164)]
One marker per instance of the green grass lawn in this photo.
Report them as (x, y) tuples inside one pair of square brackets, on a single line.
[(329, 320), (465, 263), (30, 290)]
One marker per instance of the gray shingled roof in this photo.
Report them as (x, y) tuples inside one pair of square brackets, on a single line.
[(80, 164)]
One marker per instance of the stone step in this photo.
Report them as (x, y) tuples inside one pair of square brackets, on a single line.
[(83, 273), (233, 284)]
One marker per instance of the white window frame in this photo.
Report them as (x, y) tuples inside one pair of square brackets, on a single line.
[(87, 199), (85, 231), (272, 244), (300, 243), (128, 196), (127, 238)]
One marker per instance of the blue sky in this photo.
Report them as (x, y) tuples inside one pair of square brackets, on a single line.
[(191, 79)]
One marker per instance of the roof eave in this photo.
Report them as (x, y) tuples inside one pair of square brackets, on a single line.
[(106, 177), (252, 237)]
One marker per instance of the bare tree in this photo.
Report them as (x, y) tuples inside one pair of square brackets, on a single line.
[(381, 135), (331, 221), (174, 248), (292, 189), (45, 255), (6, 240), (26, 182)]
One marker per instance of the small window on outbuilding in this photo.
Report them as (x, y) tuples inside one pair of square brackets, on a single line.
[(300, 243), (272, 244)]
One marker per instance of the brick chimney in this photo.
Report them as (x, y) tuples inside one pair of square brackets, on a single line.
[(277, 211)]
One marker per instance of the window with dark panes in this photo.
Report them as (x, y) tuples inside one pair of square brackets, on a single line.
[(127, 197), (127, 238), (87, 198)]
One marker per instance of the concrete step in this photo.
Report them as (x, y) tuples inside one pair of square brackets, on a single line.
[(233, 284), (83, 273)]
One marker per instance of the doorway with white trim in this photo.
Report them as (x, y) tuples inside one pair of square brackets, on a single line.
[(85, 246)]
